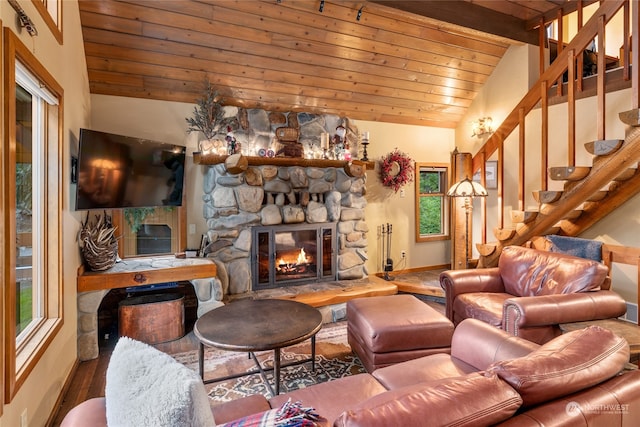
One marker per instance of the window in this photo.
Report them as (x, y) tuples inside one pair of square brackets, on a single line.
[(432, 211), (51, 12), (32, 270)]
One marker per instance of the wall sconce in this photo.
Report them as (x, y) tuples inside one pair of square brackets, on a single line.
[(482, 126)]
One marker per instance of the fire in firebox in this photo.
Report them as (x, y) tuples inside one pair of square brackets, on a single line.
[(298, 265)]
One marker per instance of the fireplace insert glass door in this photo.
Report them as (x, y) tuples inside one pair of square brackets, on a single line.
[(295, 254)]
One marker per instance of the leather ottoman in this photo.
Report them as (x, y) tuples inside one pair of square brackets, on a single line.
[(386, 330)]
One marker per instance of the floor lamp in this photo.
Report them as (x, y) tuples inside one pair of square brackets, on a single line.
[(469, 190)]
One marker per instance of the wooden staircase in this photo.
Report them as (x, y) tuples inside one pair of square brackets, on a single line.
[(589, 194)]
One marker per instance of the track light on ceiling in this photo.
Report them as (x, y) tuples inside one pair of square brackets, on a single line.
[(359, 15), (321, 6)]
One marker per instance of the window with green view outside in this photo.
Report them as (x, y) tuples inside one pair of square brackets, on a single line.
[(432, 207)]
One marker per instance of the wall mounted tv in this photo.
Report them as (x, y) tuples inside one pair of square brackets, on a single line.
[(116, 171)]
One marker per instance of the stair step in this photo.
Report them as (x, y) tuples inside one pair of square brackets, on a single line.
[(553, 230), (568, 173), (486, 249), (523, 217), (631, 117), (503, 234), (596, 197), (627, 174), (603, 147), (547, 196), (573, 214)]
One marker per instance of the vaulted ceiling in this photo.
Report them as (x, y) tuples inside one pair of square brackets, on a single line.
[(412, 62)]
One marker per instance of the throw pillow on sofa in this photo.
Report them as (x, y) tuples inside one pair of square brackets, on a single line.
[(473, 400), (146, 387), (564, 365)]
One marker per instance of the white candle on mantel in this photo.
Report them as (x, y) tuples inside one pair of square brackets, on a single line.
[(365, 135), (324, 140)]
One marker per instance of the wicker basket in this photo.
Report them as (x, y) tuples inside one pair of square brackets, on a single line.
[(287, 134)]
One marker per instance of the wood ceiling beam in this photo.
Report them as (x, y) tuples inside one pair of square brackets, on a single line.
[(467, 15)]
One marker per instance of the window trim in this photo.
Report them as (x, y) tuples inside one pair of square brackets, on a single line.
[(56, 29), (445, 203), (19, 362)]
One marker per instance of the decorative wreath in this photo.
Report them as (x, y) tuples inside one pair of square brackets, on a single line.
[(396, 169)]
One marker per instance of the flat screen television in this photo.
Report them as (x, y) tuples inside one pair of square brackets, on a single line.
[(116, 171)]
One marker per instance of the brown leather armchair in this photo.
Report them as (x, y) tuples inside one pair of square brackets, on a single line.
[(531, 293)]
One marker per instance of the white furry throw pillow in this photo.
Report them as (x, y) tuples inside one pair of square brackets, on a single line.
[(146, 387)]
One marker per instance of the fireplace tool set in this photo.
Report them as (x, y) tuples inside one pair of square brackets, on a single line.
[(387, 264)]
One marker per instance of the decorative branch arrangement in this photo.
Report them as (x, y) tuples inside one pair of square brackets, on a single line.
[(208, 114), (98, 242)]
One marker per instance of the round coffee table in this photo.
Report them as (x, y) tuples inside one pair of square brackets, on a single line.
[(256, 325)]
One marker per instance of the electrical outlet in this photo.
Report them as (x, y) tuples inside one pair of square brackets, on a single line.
[(402, 192), (192, 229), (23, 418), (403, 254)]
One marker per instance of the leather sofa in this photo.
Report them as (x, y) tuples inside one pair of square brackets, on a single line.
[(531, 292), (490, 378)]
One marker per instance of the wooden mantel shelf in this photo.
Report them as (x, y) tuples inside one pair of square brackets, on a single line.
[(214, 159), (145, 271)]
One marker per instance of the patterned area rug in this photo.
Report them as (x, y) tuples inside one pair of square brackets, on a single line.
[(334, 360)]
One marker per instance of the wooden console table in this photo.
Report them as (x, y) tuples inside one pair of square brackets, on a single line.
[(145, 271)]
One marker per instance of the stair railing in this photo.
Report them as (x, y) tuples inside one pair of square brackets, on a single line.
[(568, 58)]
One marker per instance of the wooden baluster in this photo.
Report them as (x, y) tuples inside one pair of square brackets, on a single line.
[(560, 48), (500, 173), (542, 42), (521, 158), (544, 144), (635, 55), (625, 56), (601, 76), (571, 106), (580, 64)]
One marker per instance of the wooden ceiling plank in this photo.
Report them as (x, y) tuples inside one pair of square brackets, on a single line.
[(172, 79), (276, 76), (113, 23), (232, 24), (290, 56), (334, 68), (233, 80), (177, 96), (333, 30)]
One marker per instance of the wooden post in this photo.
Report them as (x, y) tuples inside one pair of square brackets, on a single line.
[(461, 168)]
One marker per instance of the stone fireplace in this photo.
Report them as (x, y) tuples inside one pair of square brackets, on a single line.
[(291, 195)]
